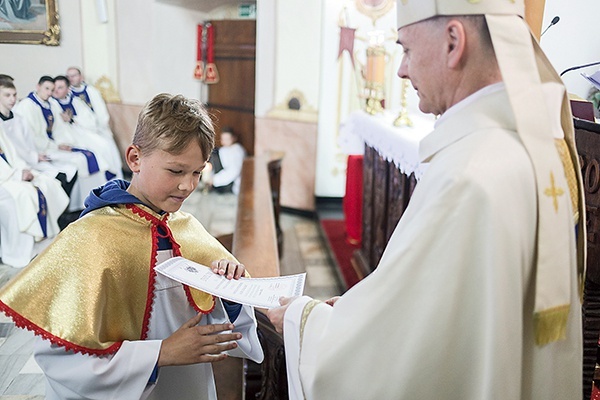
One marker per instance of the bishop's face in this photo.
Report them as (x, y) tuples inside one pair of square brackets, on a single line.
[(423, 65)]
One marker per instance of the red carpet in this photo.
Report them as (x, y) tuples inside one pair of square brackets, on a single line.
[(335, 233)]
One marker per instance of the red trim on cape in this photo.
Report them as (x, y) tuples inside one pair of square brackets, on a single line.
[(176, 252), (24, 323)]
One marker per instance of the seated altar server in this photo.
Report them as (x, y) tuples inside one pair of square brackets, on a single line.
[(476, 295), (30, 205), (20, 136), (78, 116), (54, 139), (109, 326), (93, 99)]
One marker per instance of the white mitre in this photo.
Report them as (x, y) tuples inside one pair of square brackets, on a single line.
[(524, 69)]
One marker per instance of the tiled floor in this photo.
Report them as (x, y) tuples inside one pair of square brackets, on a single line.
[(304, 250)]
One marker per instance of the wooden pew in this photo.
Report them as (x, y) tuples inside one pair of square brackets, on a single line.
[(255, 243), (587, 137)]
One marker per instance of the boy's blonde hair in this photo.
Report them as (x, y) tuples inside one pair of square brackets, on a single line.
[(170, 122)]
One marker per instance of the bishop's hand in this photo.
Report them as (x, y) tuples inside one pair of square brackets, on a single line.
[(277, 314)]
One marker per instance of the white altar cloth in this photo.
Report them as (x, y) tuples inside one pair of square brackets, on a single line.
[(397, 144)]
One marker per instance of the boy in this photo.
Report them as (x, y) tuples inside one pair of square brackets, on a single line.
[(98, 296)]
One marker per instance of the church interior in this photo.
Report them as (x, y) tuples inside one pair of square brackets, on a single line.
[(330, 132)]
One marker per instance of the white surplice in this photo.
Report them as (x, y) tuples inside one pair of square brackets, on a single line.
[(62, 134), (88, 135), (19, 134), (19, 224), (99, 108), (85, 135), (125, 375), (448, 312), (103, 123)]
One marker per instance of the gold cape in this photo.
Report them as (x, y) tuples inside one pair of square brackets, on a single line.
[(94, 286)]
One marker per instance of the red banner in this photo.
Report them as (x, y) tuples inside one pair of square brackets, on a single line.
[(347, 42)]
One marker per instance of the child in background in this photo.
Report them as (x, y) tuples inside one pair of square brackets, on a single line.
[(226, 162)]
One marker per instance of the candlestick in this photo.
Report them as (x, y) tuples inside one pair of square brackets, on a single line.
[(375, 73), (403, 119)]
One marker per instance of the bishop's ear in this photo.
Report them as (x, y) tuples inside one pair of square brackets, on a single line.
[(132, 157), (456, 41)]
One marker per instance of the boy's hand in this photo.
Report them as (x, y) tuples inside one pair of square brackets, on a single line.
[(229, 269), (193, 344)]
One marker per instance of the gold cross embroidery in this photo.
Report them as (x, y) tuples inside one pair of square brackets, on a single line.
[(554, 192)]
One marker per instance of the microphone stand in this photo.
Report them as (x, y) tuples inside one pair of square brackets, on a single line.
[(579, 67)]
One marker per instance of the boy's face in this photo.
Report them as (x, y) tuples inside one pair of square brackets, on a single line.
[(162, 180), (226, 139), (8, 98)]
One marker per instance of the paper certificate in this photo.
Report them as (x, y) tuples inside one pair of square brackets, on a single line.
[(257, 292)]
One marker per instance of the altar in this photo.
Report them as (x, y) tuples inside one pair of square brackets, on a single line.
[(391, 169)]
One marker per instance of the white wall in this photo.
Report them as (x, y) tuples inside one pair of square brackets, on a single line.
[(156, 50), (99, 39), (573, 40), (28, 62), (265, 56)]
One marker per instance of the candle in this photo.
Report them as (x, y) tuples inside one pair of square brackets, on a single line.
[(375, 64), (375, 58)]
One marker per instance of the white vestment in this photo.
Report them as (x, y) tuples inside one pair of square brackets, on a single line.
[(20, 227), (125, 375), (99, 108), (102, 123), (86, 135), (21, 137), (62, 134), (448, 312), (232, 159)]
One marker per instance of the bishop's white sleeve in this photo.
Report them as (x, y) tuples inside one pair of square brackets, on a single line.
[(122, 376), (301, 353), (249, 345)]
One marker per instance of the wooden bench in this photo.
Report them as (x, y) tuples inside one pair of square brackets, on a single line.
[(587, 136), (256, 242)]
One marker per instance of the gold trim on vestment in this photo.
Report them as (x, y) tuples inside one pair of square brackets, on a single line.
[(305, 313), (571, 177), (550, 325)]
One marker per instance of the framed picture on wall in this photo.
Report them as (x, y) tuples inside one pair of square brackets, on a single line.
[(29, 22)]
